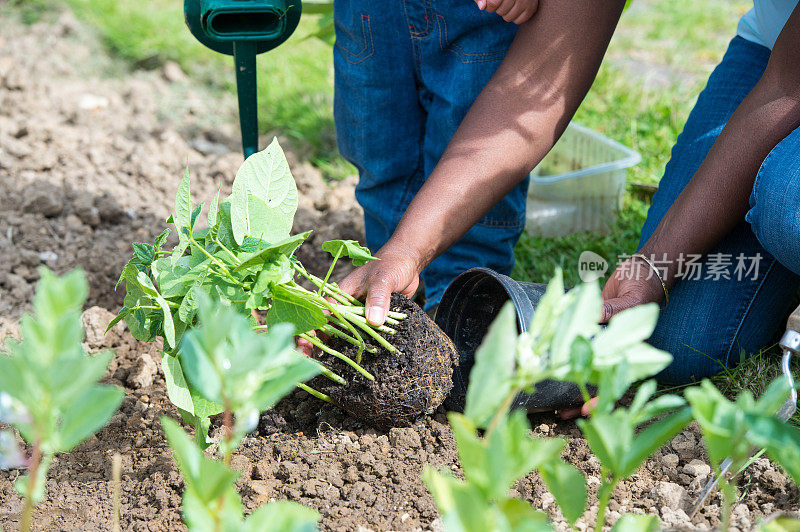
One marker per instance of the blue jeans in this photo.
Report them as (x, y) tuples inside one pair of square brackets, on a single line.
[(711, 323), (406, 73)]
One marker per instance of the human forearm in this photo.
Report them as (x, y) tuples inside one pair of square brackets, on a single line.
[(717, 197), (513, 123)]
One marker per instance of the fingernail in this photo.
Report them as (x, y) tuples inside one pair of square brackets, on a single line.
[(375, 316)]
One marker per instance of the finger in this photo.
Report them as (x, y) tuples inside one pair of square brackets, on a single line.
[(516, 10), (589, 406), (525, 16), (481, 4), (378, 296), (492, 5), (614, 306), (505, 7), (353, 284)]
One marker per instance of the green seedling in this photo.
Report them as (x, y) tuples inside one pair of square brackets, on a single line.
[(48, 385), (733, 429), (244, 258), (245, 372), (229, 364), (210, 500), (562, 342)]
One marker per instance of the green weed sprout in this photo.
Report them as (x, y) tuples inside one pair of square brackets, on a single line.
[(244, 258), (563, 342), (247, 373), (48, 385), (732, 429)]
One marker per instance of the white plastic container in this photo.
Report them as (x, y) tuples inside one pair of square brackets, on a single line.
[(579, 185)]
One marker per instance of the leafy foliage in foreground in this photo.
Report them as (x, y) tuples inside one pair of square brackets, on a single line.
[(245, 259), (246, 372), (48, 384), (564, 342)]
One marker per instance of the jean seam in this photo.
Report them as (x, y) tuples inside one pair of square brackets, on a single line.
[(464, 57), (747, 311), (757, 179), (369, 44), (428, 26)]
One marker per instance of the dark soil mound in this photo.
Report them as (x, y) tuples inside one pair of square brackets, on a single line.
[(407, 384)]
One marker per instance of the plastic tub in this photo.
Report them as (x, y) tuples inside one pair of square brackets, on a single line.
[(579, 185)]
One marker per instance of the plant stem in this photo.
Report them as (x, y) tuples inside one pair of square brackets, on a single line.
[(215, 260), (330, 270), (333, 331), (728, 500), (315, 393), (226, 250), (116, 475), (33, 472), (606, 490), (392, 318), (325, 372), (368, 329), (314, 341), (355, 318), (227, 422), (584, 392)]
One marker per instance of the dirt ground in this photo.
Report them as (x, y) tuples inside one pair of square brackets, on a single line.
[(90, 156)]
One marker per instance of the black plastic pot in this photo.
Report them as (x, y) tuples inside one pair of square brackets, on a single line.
[(468, 307)]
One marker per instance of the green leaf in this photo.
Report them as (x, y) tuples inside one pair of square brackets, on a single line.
[(349, 248), (182, 218), (578, 318), (521, 517), (177, 389), (195, 214), (87, 415), (169, 324), (637, 523), (490, 378), (285, 516), (568, 486), (288, 308), (264, 196), (780, 439), (462, 506), (609, 436), (213, 210), (123, 312), (286, 246), (653, 438), (207, 478), (278, 272), (146, 253)]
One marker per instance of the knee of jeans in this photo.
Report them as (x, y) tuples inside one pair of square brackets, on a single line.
[(697, 353), (773, 213)]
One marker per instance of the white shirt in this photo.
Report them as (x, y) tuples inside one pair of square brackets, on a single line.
[(764, 22)]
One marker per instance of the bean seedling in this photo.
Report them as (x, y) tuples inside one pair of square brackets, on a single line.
[(48, 385), (227, 363), (244, 258)]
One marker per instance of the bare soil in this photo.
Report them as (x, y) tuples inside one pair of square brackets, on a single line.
[(89, 161)]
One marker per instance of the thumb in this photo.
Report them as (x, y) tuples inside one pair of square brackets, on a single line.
[(481, 4), (377, 303), (614, 306)]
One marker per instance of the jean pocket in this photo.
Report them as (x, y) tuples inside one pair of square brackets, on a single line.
[(354, 38), (479, 38)]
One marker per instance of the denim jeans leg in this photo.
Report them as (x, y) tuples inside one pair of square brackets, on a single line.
[(458, 55), (378, 117), (712, 321)]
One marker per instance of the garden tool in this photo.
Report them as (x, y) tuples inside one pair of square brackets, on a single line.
[(790, 344), (243, 29)]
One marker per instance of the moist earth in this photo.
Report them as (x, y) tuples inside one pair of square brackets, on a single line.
[(90, 156), (408, 383)]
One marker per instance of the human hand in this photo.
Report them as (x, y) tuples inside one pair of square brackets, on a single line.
[(516, 11), (397, 271), (583, 411), (633, 283)]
